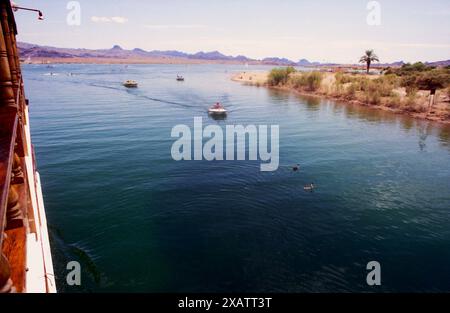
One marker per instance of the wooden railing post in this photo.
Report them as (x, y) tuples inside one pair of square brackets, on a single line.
[(7, 33), (6, 86), (14, 212), (17, 177)]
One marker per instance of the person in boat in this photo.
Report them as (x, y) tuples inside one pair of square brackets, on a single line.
[(217, 105)]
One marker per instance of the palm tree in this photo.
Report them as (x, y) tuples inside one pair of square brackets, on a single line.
[(368, 58)]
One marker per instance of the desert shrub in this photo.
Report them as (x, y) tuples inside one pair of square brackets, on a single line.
[(382, 86), (338, 90), (420, 108), (297, 81), (363, 83), (392, 80), (290, 70), (375, 98), (416, 67), (373, 90), (409, 82), (408, 69), (411, 101), (351, 90), (394, 101), (342, 78), (426, 80), (279, 76), (339, 76), (389, 71), (433, 80), (313, 80), (372, 97), (310, 81)]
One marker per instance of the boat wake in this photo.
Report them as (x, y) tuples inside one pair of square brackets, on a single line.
[(198, 103)]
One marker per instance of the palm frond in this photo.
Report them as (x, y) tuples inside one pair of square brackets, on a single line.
[(369, 56)]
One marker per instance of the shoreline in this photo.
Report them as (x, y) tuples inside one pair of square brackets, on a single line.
[(165, 61), (259, 79)]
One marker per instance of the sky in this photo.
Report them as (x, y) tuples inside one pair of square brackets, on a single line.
[(317, 30)]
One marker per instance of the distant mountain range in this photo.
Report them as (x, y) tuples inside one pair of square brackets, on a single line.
[(28, 50), (439, 63), (34, 51)]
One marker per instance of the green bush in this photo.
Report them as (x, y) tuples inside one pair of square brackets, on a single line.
[(409, 82), (313, 80), (408, 69), (433, 80), (280, 76), (389, 71)]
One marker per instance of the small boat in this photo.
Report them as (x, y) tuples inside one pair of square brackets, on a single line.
[(309, 187), (130, 84), (217, 109), (180, 78)]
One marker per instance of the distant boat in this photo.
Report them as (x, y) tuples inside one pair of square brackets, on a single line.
[(217, 109), (180, 78), (130, 84)]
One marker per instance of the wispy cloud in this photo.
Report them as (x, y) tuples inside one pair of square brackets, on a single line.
[(387, 44), (438, 13), (112, 19), (174, 26), (423, 45), (119, 19)]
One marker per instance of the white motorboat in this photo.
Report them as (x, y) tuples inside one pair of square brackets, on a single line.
[(217, 109), (130, 84)]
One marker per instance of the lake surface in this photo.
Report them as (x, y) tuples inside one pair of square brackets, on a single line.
[(139, 221)]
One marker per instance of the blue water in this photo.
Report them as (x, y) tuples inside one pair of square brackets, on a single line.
[(138, 221)]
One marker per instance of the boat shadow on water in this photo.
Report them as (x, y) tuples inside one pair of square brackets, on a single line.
[(217, 117), (63, 253)]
